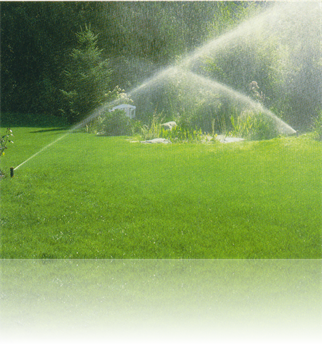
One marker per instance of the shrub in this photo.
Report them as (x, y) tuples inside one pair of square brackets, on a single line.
[(154, 129), (317, 127), (180, 133), (4, 140), (254, 126), (113, 123)]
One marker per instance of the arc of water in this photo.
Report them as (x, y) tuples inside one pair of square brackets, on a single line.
[(218, 42), (99, 110), (226, 39), (210, 46), (74, 128), (43, 149), (284, 128)]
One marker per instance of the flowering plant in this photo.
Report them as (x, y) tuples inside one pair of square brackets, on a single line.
[(4, 140)]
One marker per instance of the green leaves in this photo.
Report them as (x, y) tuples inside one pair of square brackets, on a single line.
[(87, 78), (317, 127), (254, 126), (3, 143), (114, 123), (4, 140)]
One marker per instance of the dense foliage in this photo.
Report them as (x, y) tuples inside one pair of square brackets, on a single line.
[(254, 126), (4, 140), (285, 61), (112, 123), (37, 40), (87, 78), (317, 127), (46, 67)]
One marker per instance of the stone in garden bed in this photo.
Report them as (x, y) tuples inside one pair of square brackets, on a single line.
[(169, 125), (157, 141), (225, 140)]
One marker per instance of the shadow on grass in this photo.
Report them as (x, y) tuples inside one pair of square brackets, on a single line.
[(12, 120), (51, 130)]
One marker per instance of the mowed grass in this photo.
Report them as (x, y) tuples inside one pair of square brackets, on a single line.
[(106, 197)]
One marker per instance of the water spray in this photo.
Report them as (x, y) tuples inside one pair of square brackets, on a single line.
[(95, 114), (37, 153), (283, 127), (265, 18)]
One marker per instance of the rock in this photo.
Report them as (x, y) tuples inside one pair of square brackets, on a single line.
[(157, 141), (169, 125), (225, 140)]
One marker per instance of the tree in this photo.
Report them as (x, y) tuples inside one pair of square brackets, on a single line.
[(87, 78), (34, 40)]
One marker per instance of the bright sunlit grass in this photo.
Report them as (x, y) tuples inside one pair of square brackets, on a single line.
[(105, 197)]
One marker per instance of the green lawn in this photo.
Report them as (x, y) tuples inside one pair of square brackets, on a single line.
[(105, 197)]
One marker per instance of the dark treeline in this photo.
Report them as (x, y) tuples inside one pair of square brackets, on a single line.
[(37, 39), (56, 54)]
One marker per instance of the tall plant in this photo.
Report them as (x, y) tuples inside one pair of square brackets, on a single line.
[(253, 125), (317, 127), (4, 140), (87, 78)]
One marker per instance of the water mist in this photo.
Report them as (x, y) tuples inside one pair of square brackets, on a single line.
[(266, 23)]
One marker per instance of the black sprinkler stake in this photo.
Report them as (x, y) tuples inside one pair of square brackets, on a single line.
[(11, 172)]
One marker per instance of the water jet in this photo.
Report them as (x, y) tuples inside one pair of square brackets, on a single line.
[(271, 21)]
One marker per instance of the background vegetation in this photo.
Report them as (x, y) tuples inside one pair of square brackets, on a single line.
[(38, 42), (66, 58)]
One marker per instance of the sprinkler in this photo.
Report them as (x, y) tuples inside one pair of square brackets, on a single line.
[(11, 172)]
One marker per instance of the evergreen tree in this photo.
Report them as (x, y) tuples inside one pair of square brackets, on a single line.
[(87, 78)]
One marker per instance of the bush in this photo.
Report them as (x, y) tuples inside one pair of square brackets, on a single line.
[(153, 130), (180, 133), (113, 123), (254, 126), (4, 140), (317, 127)]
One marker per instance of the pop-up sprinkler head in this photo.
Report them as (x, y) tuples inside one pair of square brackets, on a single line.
[(12, 172)]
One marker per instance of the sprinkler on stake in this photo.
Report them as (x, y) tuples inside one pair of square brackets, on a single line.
[(11, 172)]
